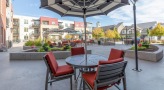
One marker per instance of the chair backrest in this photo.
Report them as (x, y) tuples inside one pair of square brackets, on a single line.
[(77, 51), (51, 62), (108, 74), (115, 53)]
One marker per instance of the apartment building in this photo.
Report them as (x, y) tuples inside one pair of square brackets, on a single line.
[(141, 27), (23, 28), (9, 23), (26, 28), (3, 6)]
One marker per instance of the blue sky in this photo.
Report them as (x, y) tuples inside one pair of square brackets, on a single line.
[(147, 10)]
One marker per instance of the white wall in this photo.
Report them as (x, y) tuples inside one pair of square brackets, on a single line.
[(22, 26), (64, 22)]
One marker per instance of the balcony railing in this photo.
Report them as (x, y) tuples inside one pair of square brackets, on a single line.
[(16, 24), (36, 34), (35, 25), (7, 3), (15, 34)]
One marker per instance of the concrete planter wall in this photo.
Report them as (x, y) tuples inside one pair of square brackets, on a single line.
[(150, 56), (27, 47), (39, 55)]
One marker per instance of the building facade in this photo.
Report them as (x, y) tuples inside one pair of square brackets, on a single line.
[(3, 6), (9, 23), (22, 28), (26, 28)]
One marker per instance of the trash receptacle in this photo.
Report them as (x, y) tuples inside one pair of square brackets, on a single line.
[(99, 42)]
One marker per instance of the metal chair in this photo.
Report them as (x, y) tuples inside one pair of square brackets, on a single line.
[(77, 51), (55, 72), (115, 54), (107, 75)]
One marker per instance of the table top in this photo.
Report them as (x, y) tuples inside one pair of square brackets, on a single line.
[(79, 60)]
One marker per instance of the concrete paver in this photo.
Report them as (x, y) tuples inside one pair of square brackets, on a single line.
[(30, 75)]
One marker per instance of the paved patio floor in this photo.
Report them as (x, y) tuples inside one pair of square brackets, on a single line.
[(30, 75)]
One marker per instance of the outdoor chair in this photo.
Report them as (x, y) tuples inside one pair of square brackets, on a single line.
[(55, 72), (77, 51), (115, 54), (107, 75)]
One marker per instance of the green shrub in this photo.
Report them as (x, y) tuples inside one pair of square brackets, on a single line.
[(139, 48), (29, 43), (56, 49), (41, 49), (67, 47)]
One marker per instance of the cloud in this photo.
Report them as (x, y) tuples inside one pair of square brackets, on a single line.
[(147, 10), (97, 17)]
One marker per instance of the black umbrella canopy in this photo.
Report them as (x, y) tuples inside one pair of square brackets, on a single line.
[(83, 8), (80, 7), (69, 30)]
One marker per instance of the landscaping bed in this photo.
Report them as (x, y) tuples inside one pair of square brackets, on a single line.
[(39, 55), (153, 53)]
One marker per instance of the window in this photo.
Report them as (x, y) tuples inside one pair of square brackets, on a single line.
[(25, 29), (25, 37), (45, 22), (25, 21), (36, 31), (66, 25), (53, 23)]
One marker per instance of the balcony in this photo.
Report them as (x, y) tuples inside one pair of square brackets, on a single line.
[(15, 34), (16, 24), (7, 3), (36, 34), (35, 25)]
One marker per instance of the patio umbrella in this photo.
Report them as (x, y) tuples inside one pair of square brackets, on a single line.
[(69, 30), (82, 8)]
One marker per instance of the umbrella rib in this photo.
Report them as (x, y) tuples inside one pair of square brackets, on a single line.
[(76, 3), (94, 6), (119, 2), (54, 4), (68, 11)]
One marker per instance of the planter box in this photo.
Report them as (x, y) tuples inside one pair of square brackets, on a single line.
[(143, 55), (39, 55), (28, 47)]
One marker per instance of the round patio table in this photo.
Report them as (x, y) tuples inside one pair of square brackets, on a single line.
[(79, 60)]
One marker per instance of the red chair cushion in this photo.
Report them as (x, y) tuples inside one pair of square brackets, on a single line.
[(90, 78), (77, 51), (115, 53), (63, 70), (111, 61), (52, 62)]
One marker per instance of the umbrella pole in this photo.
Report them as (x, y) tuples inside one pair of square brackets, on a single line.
[(84, 18), (135, 39)]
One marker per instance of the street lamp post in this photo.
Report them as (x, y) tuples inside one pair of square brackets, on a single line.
[(135, 34), (126, 35)]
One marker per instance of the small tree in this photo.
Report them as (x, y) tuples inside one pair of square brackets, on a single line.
[(117, 35), (98, 33), (110, 34), (148, 34), (157, 31), (138, 34), (68, 36)]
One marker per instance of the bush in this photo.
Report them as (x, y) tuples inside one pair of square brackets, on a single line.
[(67, 47), (139, 48), (29, 43), (56, 49)]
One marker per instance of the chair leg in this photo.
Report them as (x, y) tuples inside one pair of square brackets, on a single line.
[(71, 83), (74, 73), (83, 84), (46, 82), (124, 83)]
